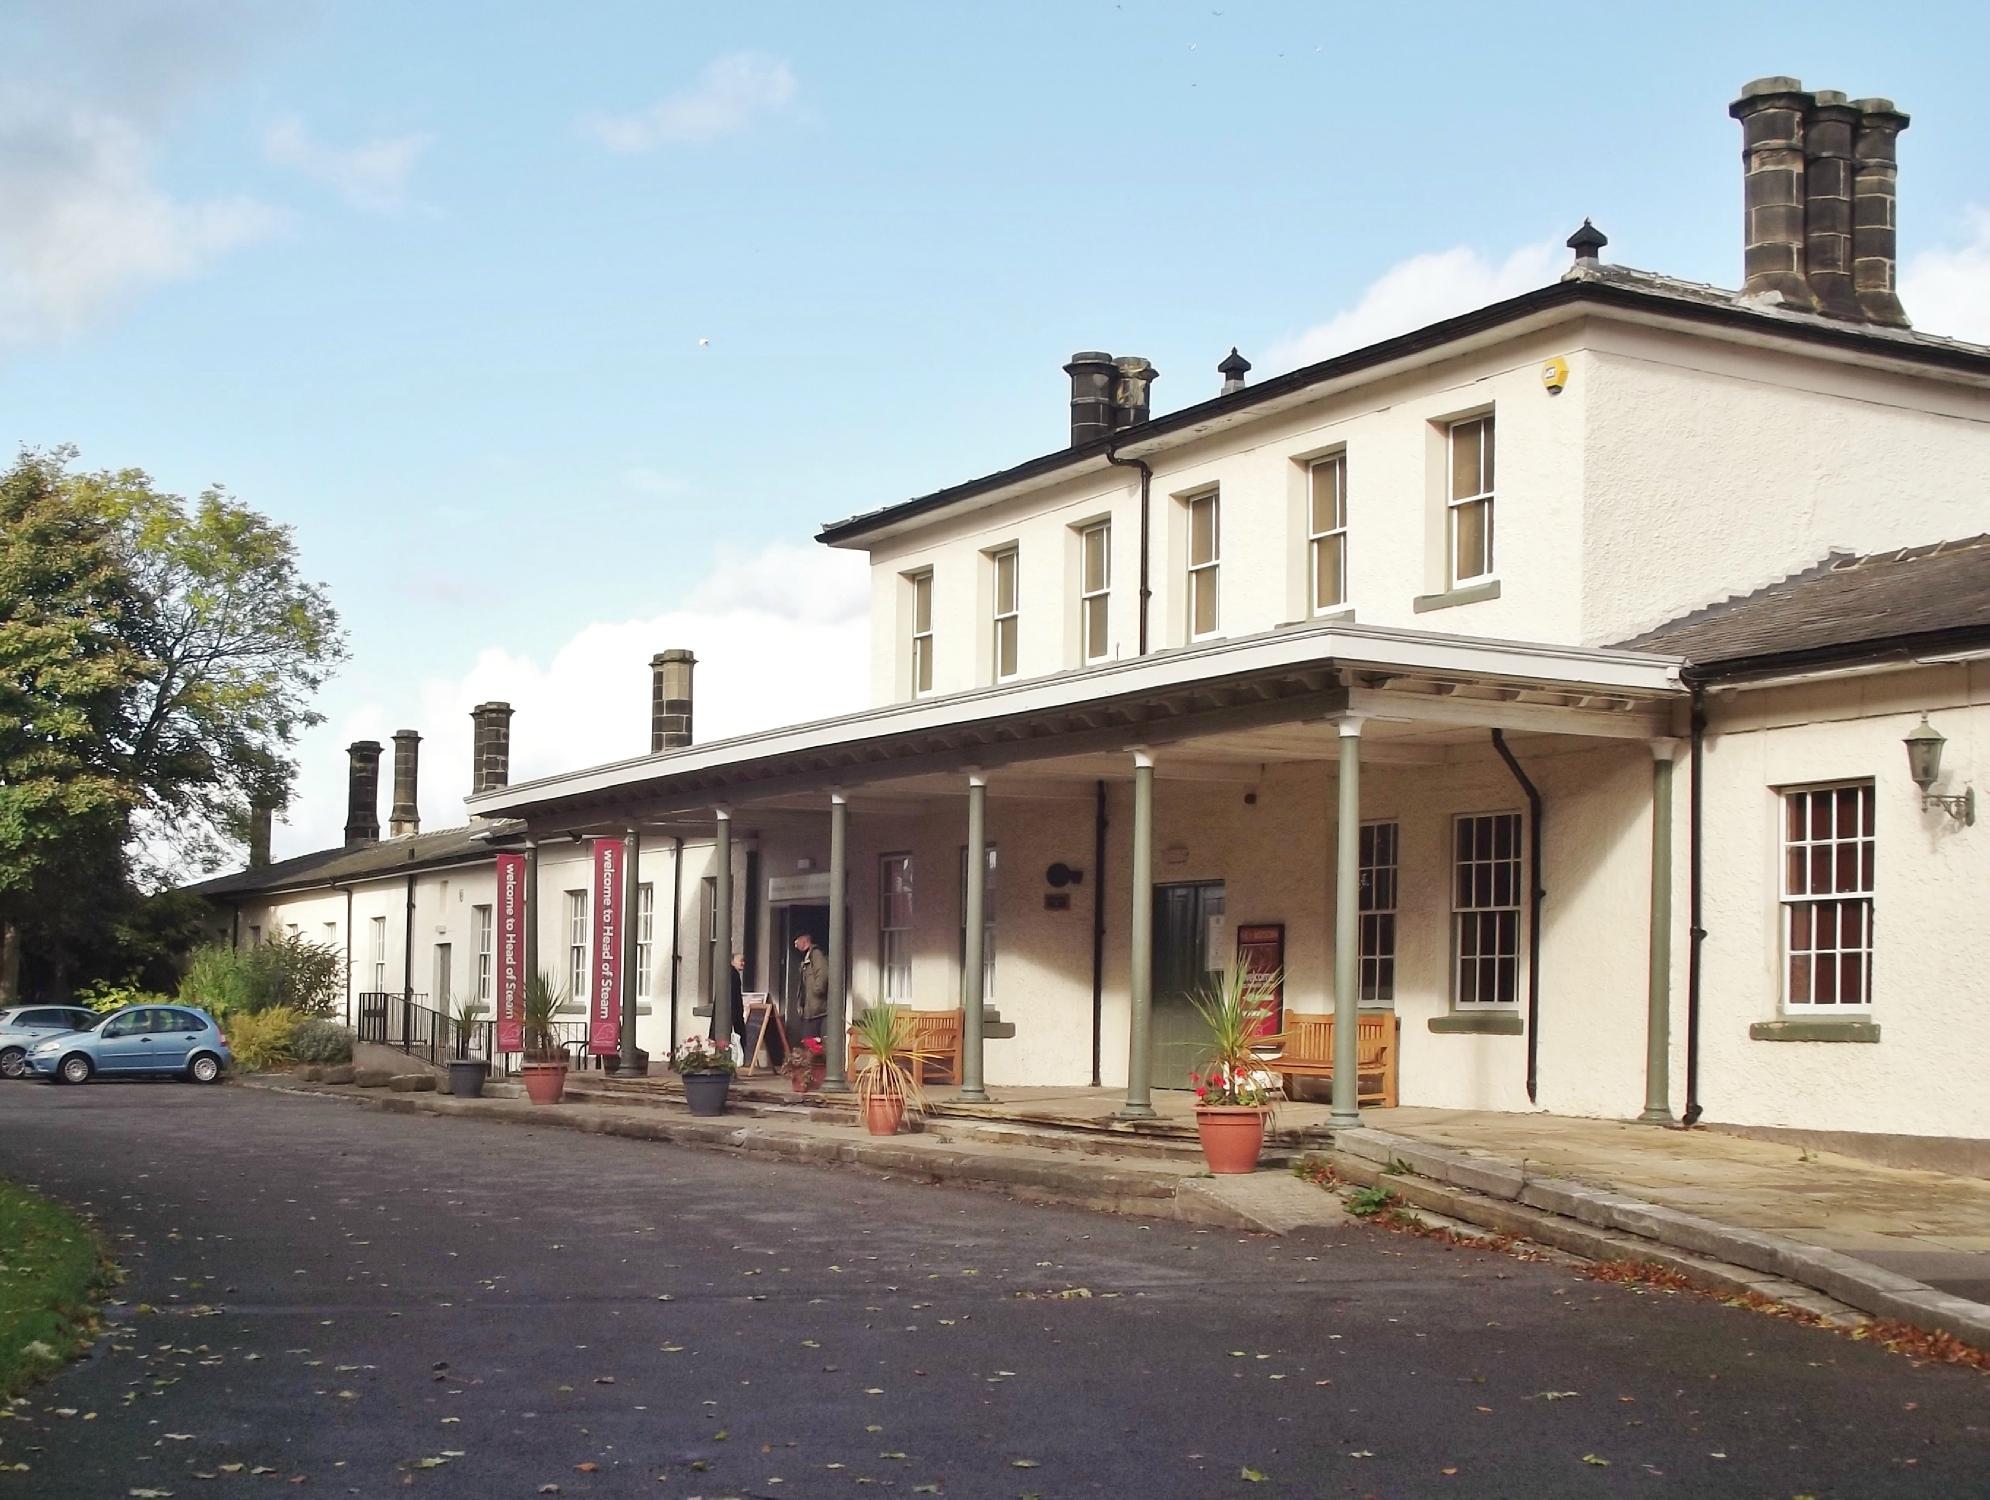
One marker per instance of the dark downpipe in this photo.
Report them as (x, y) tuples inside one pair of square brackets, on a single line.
[(235, 931), (676, 920), (1098, 930), (1146, 484), (1535, 897), (1695, 929)]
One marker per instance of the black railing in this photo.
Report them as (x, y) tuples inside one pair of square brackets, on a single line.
[(407, 1023)]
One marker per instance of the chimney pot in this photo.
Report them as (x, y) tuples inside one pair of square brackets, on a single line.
[(1586, 241), (1094, 377), (1133, 391), (490, 747), (404, 817), (1827, 208), (261, 818), (1233, 370), (1772, 112), (1875, 211), (362, 817), (670, 699)]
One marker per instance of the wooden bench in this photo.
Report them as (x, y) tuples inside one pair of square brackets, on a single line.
[(938, 1035), (1308, 1042)]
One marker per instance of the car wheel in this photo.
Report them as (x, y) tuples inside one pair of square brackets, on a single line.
[(205, 1068), (75, 1069), (13, 1062)]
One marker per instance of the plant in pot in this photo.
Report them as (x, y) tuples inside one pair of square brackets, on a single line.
[(888, 1068), (466, 1072), (706, 1066), (1233, 1093), (545, 1059), (803, 1064)]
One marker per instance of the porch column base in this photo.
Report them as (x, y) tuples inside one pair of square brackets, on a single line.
[(1136, 1112)]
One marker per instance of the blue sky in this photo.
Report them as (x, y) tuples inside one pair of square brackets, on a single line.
[(433, 283)]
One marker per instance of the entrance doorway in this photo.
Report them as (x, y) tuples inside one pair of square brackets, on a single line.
[(1189, 939), (790, 922)]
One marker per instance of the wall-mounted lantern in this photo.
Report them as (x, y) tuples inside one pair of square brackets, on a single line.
[(1924, 763)]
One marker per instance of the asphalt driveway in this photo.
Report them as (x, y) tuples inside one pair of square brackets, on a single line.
[(357, 1303)]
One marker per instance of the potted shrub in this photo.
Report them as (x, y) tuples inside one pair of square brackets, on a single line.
[(545, 1066), (1233, 1093), (706, 1065), (887, 1068), (466, 1073), (803, 1064)]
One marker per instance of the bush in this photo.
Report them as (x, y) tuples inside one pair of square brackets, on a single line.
[(291, 972), (261, 1039), (109, 997), (320, 1041)]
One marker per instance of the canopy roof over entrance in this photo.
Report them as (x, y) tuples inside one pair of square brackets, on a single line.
[(1250, 700)]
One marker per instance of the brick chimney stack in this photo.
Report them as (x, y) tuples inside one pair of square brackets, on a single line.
[(490, 747), (362, 817), (670, 699), (404, 817)]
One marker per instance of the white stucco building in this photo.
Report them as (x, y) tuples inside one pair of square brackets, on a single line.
[(1541, 677)]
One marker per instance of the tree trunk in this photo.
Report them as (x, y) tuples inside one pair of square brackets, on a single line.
[(10, 963)]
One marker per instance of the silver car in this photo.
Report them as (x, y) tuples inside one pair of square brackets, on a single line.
[(21, 1026)]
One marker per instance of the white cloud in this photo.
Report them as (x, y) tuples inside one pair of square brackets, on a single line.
[(1420, 290), (1947, 291), (86, 226), (730, 94), (372, 175), (781, 637)]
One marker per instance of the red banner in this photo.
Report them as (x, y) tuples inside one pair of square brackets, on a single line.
[(604, 1032), (513, 911)]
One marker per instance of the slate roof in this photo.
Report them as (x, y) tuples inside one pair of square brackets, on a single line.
[(1915, 597), (419, 851)]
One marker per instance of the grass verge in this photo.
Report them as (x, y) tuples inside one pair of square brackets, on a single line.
[(50, 1264)]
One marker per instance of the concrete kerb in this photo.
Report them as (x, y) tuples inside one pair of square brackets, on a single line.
[(1491, 1181), (1129, 1188)]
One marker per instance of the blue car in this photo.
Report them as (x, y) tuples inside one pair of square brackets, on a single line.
[(177, 1041), (21, 1026)]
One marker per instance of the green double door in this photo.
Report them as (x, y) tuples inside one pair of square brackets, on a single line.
[(1190, 934)]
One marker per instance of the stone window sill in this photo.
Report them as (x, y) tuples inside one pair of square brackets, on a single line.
[(1490, 1023), (1471, 593), (1791, 1029)]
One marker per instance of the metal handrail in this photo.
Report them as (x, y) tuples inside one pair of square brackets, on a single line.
[(407, 1023)]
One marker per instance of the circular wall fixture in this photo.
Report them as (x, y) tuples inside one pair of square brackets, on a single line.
[(1058, 875)]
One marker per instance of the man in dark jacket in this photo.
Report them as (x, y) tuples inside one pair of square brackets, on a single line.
[(811, 997)]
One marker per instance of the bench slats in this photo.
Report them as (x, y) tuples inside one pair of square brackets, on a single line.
[(1309, 1052)]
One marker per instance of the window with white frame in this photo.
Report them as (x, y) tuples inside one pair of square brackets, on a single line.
[(1378, 912), (1470, 453), (987, 926), (1326, 531), (645, 937), (1094, 590), (483, 932), (895, 929), (1205, 559), (255, 935), (377, 946), (1828, 847), (708, 933), (1007, 613), (921, 585), (577, 985), (1485, 910)]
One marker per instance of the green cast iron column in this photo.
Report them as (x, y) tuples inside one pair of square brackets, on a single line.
[(1347, 930), (631, 981), (1140, 970), (722, 928), (531, 908), (1658, 990), (971, 1090), (835, 1040)]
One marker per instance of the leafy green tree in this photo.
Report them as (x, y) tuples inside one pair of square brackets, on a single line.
[(157, 662)]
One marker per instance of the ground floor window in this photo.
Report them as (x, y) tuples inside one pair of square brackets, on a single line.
[(987, 929), (379, 951), (577, 985), (480, 923), (1828, 847), (895, 929), (1485, 909), (645, 937), (1378, 912)]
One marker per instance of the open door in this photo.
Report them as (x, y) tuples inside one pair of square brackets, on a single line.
[(1190, 939)]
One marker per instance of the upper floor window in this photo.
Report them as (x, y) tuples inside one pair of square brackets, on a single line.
[(1327, 532), (1094, 589), (1205, 556), (922, 632), (1007, 614), (1828, 846), (1471, 498)]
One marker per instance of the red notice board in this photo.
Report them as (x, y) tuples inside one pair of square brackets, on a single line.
[(1261, 950)]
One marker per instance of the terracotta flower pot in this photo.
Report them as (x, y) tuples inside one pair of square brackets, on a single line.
[(801, 1083), (883, 1113), (1232, 1136), (545, 1082)]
